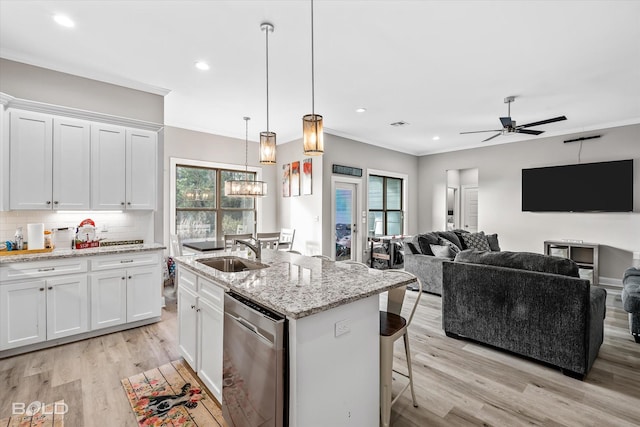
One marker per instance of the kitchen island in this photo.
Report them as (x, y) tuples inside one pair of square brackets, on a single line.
[(333, 330)]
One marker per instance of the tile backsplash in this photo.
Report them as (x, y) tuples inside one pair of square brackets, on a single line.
[(109, 225)]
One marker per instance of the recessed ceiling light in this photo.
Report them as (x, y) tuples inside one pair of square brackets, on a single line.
[(435, 138), (360, 110), (201, 65), (64, 20)]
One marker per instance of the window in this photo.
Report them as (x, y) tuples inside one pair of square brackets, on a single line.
[(385, 206), (203, 212)]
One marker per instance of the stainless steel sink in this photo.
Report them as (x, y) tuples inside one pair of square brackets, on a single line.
[(231, 264)]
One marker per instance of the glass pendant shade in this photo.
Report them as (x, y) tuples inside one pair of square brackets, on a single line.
[(245, 188), (313, 135), (268, 148)]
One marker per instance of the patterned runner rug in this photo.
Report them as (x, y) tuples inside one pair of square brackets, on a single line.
[(171, 396), (38, 414)]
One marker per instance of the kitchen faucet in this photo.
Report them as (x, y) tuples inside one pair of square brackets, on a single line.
[(255, 248)]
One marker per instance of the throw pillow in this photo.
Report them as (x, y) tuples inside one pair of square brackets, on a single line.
[(459, 232), (452, 247), (443, 251), (412, 248), (424, 240), (492, 239), (476, 241), (450, 236)]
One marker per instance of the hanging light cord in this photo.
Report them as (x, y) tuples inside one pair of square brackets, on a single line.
[(246, 148), (312, 66), (267, 39)]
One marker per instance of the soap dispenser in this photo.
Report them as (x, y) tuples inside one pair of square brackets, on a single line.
[(19, 239)]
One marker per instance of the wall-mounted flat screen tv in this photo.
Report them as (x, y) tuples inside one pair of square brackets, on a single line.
[(588, 187)]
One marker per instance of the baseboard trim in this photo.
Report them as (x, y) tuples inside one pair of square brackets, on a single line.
[(609, 281)]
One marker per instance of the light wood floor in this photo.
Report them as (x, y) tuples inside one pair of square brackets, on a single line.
[(457, 382)]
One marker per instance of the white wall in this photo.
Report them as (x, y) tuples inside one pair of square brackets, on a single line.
[(302, 213), (188, 144), (499, 200), (348, 152)]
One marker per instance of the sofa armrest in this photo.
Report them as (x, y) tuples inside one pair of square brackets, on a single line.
[(428, 268), (597, 312)]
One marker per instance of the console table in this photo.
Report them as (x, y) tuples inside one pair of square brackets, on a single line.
[(583, 254)]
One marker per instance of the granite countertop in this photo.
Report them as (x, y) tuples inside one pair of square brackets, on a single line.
[(71, 253), (299, 286)]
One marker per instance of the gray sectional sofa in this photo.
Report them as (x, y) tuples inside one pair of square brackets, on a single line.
[(421, 260), (530, 304), (631, 299)]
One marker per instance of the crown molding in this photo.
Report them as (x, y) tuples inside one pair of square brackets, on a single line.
[(9, 101)]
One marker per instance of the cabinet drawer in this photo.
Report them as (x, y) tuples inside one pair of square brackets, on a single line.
[(35, 269), (186, 279), (109, 262), (212, 292)]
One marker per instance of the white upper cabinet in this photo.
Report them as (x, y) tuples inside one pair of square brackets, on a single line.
[(30, 165), (142, 148), (108, 166), (71, 164), (49, 162), (123, 170)]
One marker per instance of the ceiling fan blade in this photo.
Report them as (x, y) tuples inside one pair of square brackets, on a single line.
[(480, 131), (491, 137), (506, 121), (543, 122), (529, 131)]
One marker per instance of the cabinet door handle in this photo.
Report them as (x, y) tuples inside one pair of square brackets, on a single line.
[(123, 277), (122, 203), (124, 261), (197, 310), (55, 202), (47, 269), (41, 289), (129, 277), (50, 287), (193, 306), (48, 202), (129, 203)]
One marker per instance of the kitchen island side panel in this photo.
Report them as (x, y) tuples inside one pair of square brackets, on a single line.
[(334, 380)]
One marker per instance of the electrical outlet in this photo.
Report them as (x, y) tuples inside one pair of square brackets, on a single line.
[(343, 327)]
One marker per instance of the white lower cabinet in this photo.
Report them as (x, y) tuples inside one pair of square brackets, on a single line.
[(108, 299), (47, 300), (200, 327), (124, 295), (45, 309)]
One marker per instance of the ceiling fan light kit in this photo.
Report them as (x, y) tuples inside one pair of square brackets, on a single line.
[(509, 125)]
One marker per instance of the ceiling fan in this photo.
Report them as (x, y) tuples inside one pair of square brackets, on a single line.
[(509, 125)]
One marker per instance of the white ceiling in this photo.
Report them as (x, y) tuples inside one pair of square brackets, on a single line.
[(442, 66)]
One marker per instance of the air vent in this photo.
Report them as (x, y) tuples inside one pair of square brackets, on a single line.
[(399, 124)]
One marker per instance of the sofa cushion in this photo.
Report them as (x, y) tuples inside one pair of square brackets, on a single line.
[(476, 241), (443, 251), (521, 260), (450, 236), (492, 239), (424, 240)]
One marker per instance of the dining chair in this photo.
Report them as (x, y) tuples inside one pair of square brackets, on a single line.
[(229, 239), (392, 327), (286, 238), (268, 240)]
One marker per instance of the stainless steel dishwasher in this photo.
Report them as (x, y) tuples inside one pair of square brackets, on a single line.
[(255, 380)]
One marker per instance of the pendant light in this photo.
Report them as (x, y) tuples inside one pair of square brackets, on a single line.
[(246, 187), (312, 134), (267, 139)]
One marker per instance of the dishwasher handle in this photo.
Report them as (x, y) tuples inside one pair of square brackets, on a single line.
[(248, 325)]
